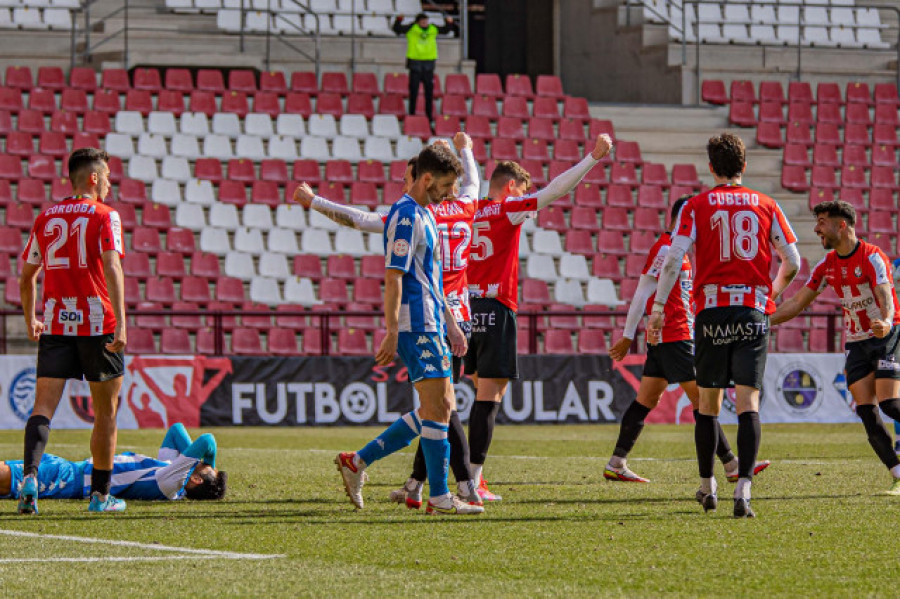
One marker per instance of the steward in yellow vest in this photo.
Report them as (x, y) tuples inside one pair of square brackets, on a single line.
[(421, 55)]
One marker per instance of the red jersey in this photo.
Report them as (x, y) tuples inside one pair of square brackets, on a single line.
[(679, 317), (854, 278), (494, 270), (68, 240), (735, 230), (454, 222)]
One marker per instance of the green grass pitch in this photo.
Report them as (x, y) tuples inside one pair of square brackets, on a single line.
[(822, 528)]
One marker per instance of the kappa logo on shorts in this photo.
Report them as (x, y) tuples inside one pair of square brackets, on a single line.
[(401, 248), (426, 355), (422, 340), (21, 393), (404, 222), (888, 365), (430, 368)]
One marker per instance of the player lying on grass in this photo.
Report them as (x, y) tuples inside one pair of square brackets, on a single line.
[(670, 360), (859, 274), (181, 469)]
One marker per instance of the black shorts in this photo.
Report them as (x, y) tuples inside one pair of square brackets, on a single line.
[(67, 357), (672, 361), (731, 347), (466, 327), (492, 349), (881, 356)]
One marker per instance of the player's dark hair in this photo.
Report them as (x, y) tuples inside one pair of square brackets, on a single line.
[(676, 207), (507, 170), (85, 161), (212, 487), (726, 155), (412, 164), (836, 209), (437, 160)]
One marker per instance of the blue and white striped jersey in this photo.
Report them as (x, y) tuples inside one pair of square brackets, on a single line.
[(411, 245), (136, 476)]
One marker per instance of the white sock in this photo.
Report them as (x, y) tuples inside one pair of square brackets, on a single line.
[(466, 487), (476, 472), (708, 485), (412, 484), (742, 490), (617, 462), (731, 466), (445, 500), (895, 471)]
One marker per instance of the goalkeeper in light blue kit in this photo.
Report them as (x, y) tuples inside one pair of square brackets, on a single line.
[(181, 469)]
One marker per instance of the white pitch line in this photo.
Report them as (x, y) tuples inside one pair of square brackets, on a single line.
[(153, 547), (14, 560)]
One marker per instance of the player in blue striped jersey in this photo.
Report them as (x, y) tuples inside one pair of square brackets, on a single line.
[(181, 469), (417, 319)]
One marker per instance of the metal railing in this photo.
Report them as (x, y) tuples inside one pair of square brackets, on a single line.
[(216, 320)]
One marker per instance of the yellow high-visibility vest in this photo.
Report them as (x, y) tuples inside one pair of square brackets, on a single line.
[(421, 44)]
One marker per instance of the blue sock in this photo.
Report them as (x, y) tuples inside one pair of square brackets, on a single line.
[(436, 448), (394, 438)]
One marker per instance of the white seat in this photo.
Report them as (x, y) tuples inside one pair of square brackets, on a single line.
[(870, 38), (290, 216), (315, 148), (676, 15), (316, 21), (408, 7), (130, 122), (199, 191), (655, 11), (291, 125), (344, 24), (603, 292), (257, 216), (816, 15), (180, 6), (842, 16), (381, 7), (788, 31), (282, 147), (574, 266), (190, 216), (524, 245), (763, 14), (375, 243), (194, 123), (142, 168), (547, 242), (346, 148), (229, 20), (27, 18), (249, 241), (258, 124), (59, 19), (300, 291), (407, 147), (288, 22), (843, 36), (541, 267), (176, 168), (386, 125), (274, 265), (224, 216), (317, 220), (322, 125), (316, 241), (264, 290), (569, 292), (226, 123), (214, 241), (764, 34), (239, 265), (186, 146), (6, 21), (250, 147), (350, 241), (258, 21), (378, 148), (375, 25), (323, 6), (816, 36), (734, 28), (217, 146), (162, 123), (282, 241), (150, 144), (119, 144), (66, 3), (165, 191), (354, 125)]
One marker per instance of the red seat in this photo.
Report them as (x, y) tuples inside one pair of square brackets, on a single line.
[(859, 92), (141, 341), (396, 84), (817, 196), (516, 106), (10, 240), (204, 264), (606, 267), (535, 292), (535, 149), (883, 155), (576, 108), (10, 99), (488, 84), (456, 84), (886, 114), (392, 104), (549, 85), (510, 127), (53, 143), (107, 101), (203, 101), (615, 218), (265, 192), (579, 242), (31, 122), (312, 341), (794, 178), (132, 191), (651, 196), (881, 222), (587, 194), (851, 176), (5, 122), (368, 290), (170, 101), (334, 292), (339, 171), (742, 91), (827, 133), (42, 100), (153, 322), (611, 242), (235, 102), (157, 216), (138, 264), (654, 173), (370, 171), (19, 77), (364, 194), (298, 103), (115, 79), (454, 106), (307, 170), (281, 342), (335, 82), (341, 267), (771, 91), (828, 93), (557, 341), (886, 93), (65, 122), (823, 155), (854, 155), (241, 169), (148, 79), (742, 114), (19, 143), (541, 129), (713, 92), (174, 341), (10, 167), (246, 341), (229, 290), (882, 133), (196, 290), (822, 177), (353, 342), (211, 80), (854, 196), (138, 100), (884, 176), (567, 151), (485, 106), (361, 104), (799, 133), (32, 191), (273, 169), (798, 112), (628, 152), (180, 240), (800, 91), (83, 78), (132, 291), (646, 219), (829, 113), (623, 174), (233, 192), (42, 167), (478, 127), (880, 198), (503, 149), (19, 215), (160, 289), (417, 126), (209, 169), (242, 80), (571, 129), (96, 122), (789, 341), (179, 80), (304, 82), (85, 140), (856, 112), (365, 83), (371, 267), (146, 240), (546, 108), (769, 135), (552, 218), (519, 85), (168, 264)]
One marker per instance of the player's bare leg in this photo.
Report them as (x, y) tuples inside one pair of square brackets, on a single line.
[(867, 392), (488, 395), (103, 444), (47, 394)]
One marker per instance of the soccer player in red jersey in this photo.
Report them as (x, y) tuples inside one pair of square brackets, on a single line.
[(669, 361), (78, 243), (860, 274), (735, 230), (494, 287)]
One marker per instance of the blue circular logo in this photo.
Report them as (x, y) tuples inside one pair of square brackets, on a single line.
[(21, 393)]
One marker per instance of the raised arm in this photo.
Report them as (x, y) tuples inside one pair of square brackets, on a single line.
[(344, 215), (564, 183), (398, 26), (471, 181)]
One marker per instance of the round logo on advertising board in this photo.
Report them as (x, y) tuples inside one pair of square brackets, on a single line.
[(799, 389), (21, 393)]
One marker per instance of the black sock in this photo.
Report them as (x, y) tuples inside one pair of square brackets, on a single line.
[(100, 481), (879, 438), (706, 432), (459, 448), (891, 408), (630, 429), (420, 470), (749, 433), (481, 429), (37, 432)]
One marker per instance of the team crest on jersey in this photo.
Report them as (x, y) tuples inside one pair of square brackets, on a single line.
[(493, 290), (401, 248), (857, 271), (405, 222)]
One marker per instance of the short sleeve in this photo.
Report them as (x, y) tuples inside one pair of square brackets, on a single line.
[(111, 233), (32, 252), (684, 224), (817, 277), (875, 268), (400, 239), (781, 235)]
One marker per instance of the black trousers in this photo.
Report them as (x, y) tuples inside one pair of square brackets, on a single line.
[(421, 72)]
